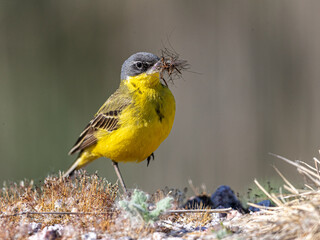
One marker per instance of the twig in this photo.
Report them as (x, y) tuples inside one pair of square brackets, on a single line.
[(289, 189), (273, 198), (286, 181), (221, 210), (306, 185), (316, 162), (54, 213), (262, 207), (316, 181), (281, 195), (307, 165), (295, 164)]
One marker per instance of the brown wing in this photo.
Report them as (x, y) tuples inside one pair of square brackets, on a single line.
[(107, 121), (107, 118)]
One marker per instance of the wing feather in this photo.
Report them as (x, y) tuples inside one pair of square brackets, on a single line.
[(107, 119)]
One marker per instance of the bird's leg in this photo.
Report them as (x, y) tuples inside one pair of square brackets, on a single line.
[(116, 168), (149, 158)]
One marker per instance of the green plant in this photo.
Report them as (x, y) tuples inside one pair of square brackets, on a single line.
[(138, 206)]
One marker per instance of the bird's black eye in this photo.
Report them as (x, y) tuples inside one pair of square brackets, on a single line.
[(139, 65)]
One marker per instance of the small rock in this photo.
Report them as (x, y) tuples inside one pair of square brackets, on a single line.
[(48, 233), (224, 197), (201, 229), (34, 228), (51, 235), (158, 235), (89, 236)]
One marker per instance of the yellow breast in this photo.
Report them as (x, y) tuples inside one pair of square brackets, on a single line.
[(144, 124)]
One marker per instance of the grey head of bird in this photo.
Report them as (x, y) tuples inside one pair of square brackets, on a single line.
[(139, 63)]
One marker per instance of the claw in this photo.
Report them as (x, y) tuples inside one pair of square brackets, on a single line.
[(149, 158)]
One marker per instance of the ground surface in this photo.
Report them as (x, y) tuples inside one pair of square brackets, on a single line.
[(88, 207)]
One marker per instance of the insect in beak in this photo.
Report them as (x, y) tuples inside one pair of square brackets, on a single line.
[(169, 63)]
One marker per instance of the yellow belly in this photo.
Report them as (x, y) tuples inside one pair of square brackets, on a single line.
[(143, 127)]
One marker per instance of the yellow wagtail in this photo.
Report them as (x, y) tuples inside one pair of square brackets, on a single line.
[(133, 122)]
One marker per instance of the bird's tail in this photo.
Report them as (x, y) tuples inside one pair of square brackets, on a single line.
[(71, 170), (80, 162)]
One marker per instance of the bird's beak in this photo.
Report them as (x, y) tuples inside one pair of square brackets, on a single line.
[(155, 68)]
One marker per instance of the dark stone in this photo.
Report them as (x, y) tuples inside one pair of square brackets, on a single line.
[(224, 197), (201, 229), (201, 201)]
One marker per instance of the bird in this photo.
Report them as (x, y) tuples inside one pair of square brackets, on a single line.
[(134, 120)]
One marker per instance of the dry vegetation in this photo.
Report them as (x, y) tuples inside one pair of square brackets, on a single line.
[(85, 194), (297, 215), (87, 208)]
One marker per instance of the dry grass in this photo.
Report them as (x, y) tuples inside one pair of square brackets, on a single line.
[(296, 219), (296, 216), (85, 194), (86, 208)]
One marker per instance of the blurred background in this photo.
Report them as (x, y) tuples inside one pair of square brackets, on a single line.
[(255, 90)]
